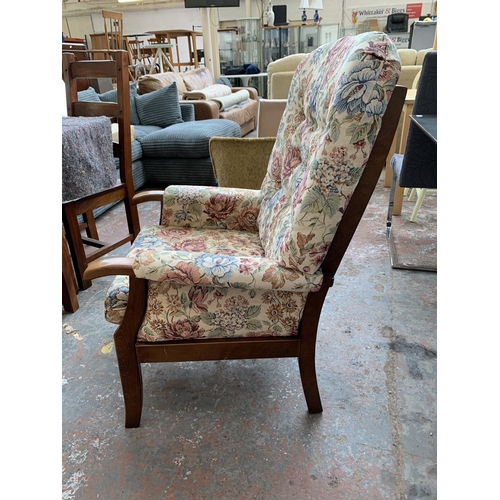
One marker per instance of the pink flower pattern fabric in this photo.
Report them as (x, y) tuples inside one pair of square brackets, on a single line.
[(324, 141), (228, 262)]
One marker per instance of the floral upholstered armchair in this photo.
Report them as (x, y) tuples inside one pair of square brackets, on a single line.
[(235, 273)]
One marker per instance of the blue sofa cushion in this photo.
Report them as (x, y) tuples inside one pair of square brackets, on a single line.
[(142, 131), (89, 95), (187, 112), (187, 140), (160, 108), (111, 96)]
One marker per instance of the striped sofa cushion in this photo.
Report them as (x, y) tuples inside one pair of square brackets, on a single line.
[(111, 96), (186, 140), (160, 108)]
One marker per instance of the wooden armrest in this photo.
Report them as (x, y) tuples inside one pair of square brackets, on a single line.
[(144, 196), (112, 266), (153, 195)]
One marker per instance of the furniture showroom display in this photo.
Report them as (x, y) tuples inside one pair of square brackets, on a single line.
[(170, 146), (235, 273), (195, 87)]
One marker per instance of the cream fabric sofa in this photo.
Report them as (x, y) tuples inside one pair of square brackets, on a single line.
[(280, 72), (411, 64), (200, 79), (279, 75)]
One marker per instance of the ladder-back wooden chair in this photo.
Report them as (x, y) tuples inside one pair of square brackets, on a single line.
[(114, 40), (236, 273), (81, 246)]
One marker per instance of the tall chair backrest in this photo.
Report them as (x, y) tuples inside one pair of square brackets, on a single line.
[(119, 111), (113, 29), (397, 23), (115, 69), (419, 167), (335, 106)]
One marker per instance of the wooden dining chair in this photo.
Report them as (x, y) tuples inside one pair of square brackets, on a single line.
[(81, 246), (114, 40)]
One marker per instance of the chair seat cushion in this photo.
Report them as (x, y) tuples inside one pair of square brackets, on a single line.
[(179, 312), (188, 139), (213, 257), (208, 282)]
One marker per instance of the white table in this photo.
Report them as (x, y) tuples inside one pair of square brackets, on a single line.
[(245, 78), (160, 55)]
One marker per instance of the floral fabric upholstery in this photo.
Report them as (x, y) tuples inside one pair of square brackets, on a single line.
[(337, 98), (209, 236), (228, 262), (177, 312)]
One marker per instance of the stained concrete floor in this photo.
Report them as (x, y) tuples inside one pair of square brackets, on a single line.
[(240, 429)]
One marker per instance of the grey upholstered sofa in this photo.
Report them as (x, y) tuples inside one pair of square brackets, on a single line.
[(169, 146)]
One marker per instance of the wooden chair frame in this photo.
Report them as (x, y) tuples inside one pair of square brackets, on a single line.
[(114, 39), (131, 352), (74, 70)]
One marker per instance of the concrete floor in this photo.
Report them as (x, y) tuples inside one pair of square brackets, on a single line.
[(240, 429)]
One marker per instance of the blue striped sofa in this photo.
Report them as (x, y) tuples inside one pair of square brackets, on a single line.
[(170, 147)]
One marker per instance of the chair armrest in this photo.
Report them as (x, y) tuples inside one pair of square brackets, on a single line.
[(111, 266), (211, 207), (240, 162), (270, 113), (279, 85), (145, 196), (253, 94), (203, 109), (408, 74)]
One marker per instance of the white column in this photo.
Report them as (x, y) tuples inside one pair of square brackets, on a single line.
[(210, 41)]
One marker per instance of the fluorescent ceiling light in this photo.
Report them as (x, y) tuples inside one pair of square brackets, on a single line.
[(125, 1)]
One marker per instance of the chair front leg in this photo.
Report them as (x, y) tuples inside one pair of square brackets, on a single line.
[(128, 364)]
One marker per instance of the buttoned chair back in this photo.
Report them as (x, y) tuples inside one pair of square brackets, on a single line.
[(232, 273), (334, 110)]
